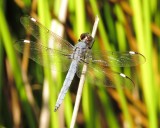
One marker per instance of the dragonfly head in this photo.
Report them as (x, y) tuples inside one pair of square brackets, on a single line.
[(88, 39)]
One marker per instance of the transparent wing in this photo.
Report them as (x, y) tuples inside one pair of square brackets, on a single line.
[(109, 78), (100, 61), (40, 32), (104, 75), (117, 59), (38, 52)]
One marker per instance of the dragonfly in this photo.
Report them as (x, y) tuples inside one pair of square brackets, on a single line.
[(72, 58)]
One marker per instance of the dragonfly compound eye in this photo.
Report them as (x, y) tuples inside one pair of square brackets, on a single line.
[(84, 35)]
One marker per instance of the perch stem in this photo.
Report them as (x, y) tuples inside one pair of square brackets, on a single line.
[(82, 80)]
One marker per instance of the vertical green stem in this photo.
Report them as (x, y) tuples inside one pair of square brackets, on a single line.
[(8, 45)]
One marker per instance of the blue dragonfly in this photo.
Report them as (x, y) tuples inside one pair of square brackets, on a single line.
[(72, 57)]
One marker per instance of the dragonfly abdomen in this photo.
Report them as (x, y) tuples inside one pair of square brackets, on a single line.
[(67, 83)]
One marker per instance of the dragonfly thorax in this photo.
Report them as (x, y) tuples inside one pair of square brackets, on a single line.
[(79, 51)]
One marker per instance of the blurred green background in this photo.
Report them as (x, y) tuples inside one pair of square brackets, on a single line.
[(28, 92)]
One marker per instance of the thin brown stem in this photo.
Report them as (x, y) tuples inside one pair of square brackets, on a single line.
[(82, 80)]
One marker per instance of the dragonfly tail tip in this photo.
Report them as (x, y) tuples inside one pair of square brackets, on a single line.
[(56, 108)]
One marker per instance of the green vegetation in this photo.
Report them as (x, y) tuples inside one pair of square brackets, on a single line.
[(28, 91)]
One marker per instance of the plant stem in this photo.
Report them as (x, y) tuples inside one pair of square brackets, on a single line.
[(82, 80)]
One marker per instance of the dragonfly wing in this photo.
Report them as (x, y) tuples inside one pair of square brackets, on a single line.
[(40, 32), (109, 78), (100, 61), (117, 59), (103, 75), (38, 52)]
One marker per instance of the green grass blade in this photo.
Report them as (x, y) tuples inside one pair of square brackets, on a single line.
[(142, 24), (8, 45), (45, 20)]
